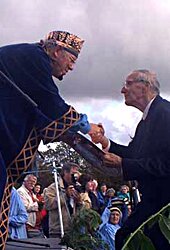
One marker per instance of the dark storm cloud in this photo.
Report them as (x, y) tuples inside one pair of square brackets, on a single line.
[(119, 36)]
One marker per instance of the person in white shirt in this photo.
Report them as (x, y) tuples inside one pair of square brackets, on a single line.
[(30, 201)]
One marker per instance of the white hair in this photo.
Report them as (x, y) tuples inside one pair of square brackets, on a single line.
[(150, 77), (29, 176)]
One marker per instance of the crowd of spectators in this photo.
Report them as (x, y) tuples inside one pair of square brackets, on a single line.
[(35, 212)]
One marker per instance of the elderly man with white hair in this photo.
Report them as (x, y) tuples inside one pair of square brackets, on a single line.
[(147, 157), (33, 225)]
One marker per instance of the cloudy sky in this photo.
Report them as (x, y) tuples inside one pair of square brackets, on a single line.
[(120, 35)]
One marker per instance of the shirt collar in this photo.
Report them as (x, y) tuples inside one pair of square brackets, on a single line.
[(24, 187), (145, 113)]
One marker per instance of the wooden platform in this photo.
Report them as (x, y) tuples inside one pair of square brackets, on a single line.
[(31, 244)]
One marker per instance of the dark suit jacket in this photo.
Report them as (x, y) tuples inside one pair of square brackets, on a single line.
[(147, 160)]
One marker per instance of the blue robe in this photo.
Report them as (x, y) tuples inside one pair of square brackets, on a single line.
[(29, 99), (29, 67), (31, 110), (107, 233)]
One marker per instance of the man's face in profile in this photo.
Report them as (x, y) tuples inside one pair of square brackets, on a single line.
[(62, 63)]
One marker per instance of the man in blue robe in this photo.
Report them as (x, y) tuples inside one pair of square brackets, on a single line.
[(31, 108)]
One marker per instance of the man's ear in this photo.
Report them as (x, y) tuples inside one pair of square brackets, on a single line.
[(145, 88), (57, 51)]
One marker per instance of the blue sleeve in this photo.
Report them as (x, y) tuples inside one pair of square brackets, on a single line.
[(18, 214), (30, 69), (18, 220), (81, 125)]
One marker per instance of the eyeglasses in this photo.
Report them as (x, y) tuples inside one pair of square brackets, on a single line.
[(129, 83)]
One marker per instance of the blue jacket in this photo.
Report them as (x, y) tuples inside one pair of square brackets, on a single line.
[(17, 217)]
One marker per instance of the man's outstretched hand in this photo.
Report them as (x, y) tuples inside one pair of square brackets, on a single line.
[(97, 134), (112, 159)]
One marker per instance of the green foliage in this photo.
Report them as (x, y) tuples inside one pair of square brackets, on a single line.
[(82, 233), (164, 224), (139, 241), (60, 152)]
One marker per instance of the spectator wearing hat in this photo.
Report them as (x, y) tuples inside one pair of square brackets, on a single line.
[(109, 229), (119, 203), (123, 205), (110, 194)]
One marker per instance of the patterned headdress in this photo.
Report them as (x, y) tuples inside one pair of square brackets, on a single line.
[(70, 42)]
